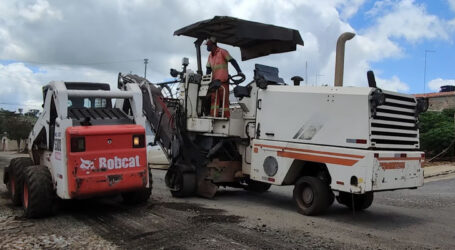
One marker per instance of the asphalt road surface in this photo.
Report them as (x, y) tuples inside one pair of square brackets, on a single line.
[(237, 219)]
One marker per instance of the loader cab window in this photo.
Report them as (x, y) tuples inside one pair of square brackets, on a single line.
[(86, 102)]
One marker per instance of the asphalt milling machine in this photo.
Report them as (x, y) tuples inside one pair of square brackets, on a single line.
[(342, 143)]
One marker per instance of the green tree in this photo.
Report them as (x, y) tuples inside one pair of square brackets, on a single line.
[(5, 115), (437, 131), (16, 126)]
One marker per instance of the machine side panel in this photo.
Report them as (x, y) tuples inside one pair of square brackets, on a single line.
[(331, 116), (373, 170)]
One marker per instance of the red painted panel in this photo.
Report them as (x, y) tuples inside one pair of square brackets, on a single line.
[(109, 163)]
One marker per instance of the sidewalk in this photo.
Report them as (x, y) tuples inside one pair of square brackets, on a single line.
[(439, 171)]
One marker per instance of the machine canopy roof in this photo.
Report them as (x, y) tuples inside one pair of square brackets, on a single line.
[(254, 39)]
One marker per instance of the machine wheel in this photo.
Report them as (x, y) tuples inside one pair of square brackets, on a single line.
[(361, 201), (257, 186), (184, 184), (139, 196), (38, 192), (16, 178), (311, 195)]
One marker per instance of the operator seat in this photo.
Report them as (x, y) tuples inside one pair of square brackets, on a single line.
[(266, 75)]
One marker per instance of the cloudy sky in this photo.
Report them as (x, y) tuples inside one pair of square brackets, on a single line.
[(45, 40)]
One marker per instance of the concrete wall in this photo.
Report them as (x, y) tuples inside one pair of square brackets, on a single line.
[(438, 103), (10, 145)]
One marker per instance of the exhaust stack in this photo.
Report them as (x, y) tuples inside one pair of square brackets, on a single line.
[(339, 61)]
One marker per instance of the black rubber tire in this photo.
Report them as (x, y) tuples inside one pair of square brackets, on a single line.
[(38, 194), (361, 201), (16, 178), (139, 196), (257, 186), (185, 184), (318, 195)]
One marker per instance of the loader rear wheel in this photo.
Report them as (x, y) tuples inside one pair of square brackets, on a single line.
[(139, 196), (311, 195), (16, 178), (38, 192), (361, 201), (183, 184), (257, 186)]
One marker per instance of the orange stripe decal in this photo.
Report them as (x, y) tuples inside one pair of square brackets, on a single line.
[(392, 165), (311, 151), (315, 158)]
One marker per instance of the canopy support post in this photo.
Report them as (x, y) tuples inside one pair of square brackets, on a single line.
[(198, 43)]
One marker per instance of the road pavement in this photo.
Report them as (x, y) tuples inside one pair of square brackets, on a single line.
[(237, 219)]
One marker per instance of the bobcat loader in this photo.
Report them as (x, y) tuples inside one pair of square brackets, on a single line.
[(82, 146)]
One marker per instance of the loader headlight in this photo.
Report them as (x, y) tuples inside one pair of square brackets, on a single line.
[(77, 144), (270, 166), (138, 141)]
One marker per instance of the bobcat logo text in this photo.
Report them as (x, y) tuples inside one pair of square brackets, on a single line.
[(111, 163)]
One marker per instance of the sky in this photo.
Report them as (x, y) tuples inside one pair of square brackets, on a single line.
[(47, 40)]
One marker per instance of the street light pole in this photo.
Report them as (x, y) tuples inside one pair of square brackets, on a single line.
[(425, 69), (145, 67)]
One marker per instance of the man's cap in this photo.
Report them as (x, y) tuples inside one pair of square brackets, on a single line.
[(211, 40)]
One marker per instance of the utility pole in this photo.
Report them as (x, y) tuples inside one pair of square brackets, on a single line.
[(145, 67), (425, 69)]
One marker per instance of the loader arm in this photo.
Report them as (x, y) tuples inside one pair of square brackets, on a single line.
[(165, 118)]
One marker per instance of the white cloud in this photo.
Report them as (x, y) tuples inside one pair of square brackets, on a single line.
[(350, 7), (409, 20), (436, 84), (38, 10), (393, 84), (22, 86), (69, 36), (452, 4), (19, 86)]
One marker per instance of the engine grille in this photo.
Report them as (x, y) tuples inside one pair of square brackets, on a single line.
[(394, 124)]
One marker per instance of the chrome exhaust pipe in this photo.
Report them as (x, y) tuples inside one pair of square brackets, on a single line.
[(339, 61)]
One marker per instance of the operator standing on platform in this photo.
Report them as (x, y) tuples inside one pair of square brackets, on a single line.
[(218, 64)]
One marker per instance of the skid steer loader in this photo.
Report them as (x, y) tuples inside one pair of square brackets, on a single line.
[(82, 146), (328, 141)]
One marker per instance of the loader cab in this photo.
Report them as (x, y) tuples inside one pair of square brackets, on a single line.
[(88, 102)]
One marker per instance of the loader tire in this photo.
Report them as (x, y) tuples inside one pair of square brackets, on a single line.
[(38, 193), (361, 201), (311, 195), (257, 186), (139, 196), (184, 184), (15, 180)]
